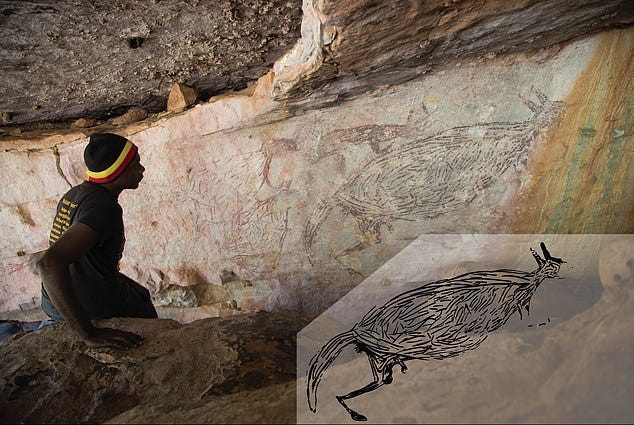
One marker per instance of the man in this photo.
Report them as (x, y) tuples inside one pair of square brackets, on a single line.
[(80, 274)]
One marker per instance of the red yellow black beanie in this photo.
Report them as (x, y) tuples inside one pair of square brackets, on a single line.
[(107, 155)]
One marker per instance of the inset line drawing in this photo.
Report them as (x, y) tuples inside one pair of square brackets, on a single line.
[(429, 177), (436, 321)]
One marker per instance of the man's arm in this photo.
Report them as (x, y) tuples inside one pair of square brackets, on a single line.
[(53, 266)]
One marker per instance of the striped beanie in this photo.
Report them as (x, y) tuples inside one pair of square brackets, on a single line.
[(107, 155)]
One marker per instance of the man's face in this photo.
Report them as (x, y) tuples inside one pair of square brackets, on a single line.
[(133, 173)]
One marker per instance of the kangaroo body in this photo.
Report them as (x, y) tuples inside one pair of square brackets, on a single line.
[(432, 176), (439, 320)]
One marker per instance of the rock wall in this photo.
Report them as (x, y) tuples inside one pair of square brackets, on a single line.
[(264, 199)]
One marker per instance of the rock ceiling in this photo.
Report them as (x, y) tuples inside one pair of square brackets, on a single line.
[(64, 60)]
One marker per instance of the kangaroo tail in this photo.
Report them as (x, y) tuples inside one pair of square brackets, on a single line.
[(315, 221), (320, 362)]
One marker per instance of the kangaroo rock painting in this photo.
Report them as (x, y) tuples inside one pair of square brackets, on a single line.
[(432, 176), (435, 321)]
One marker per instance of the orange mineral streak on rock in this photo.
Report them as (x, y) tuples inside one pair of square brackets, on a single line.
[(582, 178)]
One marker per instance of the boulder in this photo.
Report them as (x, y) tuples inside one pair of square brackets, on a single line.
[(180, 97), (241, 369)]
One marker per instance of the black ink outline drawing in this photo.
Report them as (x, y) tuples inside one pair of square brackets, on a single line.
[(429, 177), (436, 321)]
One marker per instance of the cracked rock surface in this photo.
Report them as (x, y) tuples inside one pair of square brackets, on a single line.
[(200, 372), (64, 60)]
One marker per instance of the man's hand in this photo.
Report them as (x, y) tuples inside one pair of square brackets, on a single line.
[(113, 338)]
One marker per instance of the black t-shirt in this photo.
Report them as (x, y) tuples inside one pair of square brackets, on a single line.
[(95, 274)]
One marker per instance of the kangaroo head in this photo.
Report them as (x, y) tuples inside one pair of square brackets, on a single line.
[(544, 112), (548, 266)]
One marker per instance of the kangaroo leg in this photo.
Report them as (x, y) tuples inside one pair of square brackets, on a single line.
[(387, 374), (387, 369), (355, 415), (378, 381), (370, 234)]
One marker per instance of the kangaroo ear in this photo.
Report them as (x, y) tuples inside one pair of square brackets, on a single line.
[(549, 257), (540, 95), (540, 260), (531, 105)]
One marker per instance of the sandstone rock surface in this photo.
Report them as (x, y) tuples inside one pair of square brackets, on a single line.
[(238, 370)]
